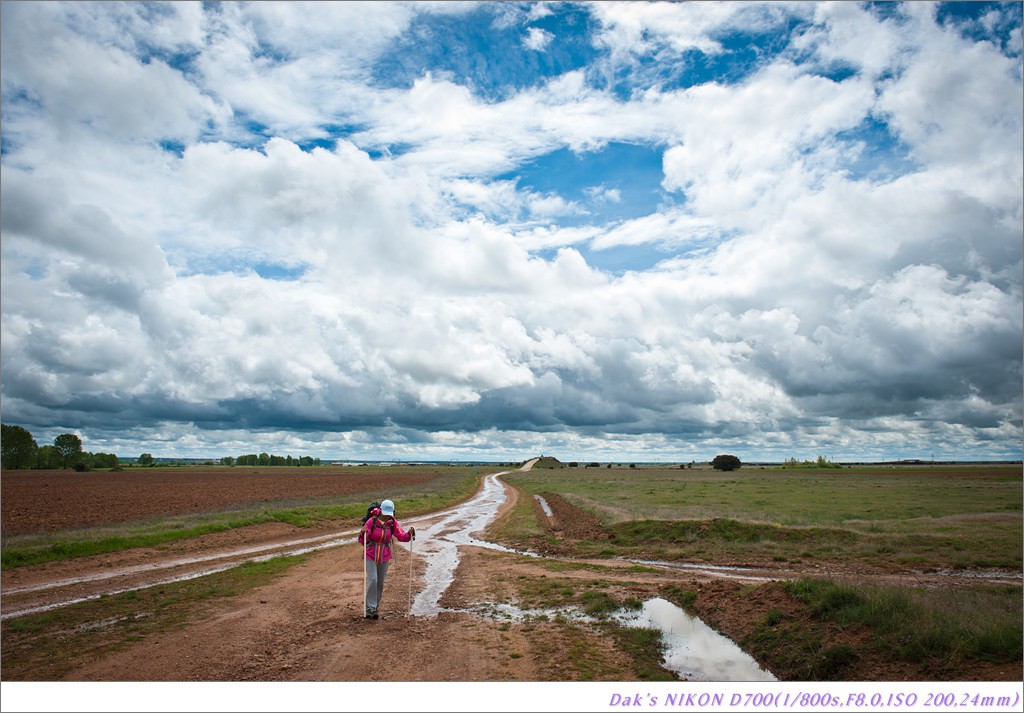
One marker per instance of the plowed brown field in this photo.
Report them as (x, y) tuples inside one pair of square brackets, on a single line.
[(55, 500)]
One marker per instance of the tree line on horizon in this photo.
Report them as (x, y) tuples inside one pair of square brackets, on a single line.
[(18, 450), (21, 451)]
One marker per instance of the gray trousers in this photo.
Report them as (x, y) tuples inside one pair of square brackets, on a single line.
[(375, 574)]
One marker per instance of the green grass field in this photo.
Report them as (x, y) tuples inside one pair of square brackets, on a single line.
[(956, 516)]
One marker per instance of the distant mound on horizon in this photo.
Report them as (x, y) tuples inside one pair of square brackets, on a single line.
[(549, 462)]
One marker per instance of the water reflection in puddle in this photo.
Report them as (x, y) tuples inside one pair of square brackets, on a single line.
[(544, 505), (693, 650)]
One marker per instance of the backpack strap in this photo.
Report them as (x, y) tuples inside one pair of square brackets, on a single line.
[(389, 528)]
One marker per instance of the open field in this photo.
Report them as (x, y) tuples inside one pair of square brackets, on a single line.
[(870, 574), (923, 517), (56, 514), (55, 500)]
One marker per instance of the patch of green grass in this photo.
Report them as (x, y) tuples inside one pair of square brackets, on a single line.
[(918, 624), (646, 649), (566, 566), (799, 650), (599, 604), (683, 598)]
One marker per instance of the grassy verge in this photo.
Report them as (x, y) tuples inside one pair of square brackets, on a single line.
[(920, 624), (23, 550), (44, 647), (940, 633)]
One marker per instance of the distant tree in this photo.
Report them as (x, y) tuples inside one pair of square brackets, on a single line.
[(227, 460), (47, 458), (725, 462), (18, 447), (101, 460), (146, 459), (264, 459), (70, 448)]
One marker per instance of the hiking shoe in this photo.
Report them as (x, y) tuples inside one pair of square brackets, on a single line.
[(375, 614)]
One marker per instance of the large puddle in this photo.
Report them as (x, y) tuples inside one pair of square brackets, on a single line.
[(693, 650)]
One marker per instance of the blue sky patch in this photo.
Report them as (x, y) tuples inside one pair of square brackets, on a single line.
[(626, 258), (998, 22), (276, 271), (882, 155), (487, 49), (220, 265), (175, 147), (619, 182), (329, 137)]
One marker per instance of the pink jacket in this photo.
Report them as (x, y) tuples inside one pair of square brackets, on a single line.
[(380, 530)]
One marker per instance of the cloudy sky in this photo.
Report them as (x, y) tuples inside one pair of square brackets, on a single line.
[(430, 230)]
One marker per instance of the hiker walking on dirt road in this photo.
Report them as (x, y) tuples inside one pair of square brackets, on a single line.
[(376, 535)]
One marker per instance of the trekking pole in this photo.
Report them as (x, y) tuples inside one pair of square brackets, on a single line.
[(410, 574), (362, 562)]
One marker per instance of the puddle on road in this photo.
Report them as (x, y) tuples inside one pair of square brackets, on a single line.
[(440, 542), (693, 650)]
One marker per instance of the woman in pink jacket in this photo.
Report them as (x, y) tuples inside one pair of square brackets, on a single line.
[(376, 535)]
